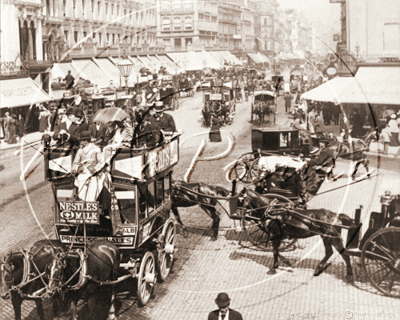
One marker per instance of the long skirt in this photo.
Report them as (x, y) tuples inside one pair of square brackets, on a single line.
[(89, 187), (394, 139)]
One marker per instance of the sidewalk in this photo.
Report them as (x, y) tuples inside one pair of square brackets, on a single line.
[(375, 149), (27, 139)]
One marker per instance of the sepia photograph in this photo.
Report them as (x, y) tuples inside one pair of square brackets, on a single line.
[(199, 159)]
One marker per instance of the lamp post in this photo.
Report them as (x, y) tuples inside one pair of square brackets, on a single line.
[(125, 68)]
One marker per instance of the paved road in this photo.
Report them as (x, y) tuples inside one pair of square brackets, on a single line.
[(203, 268)]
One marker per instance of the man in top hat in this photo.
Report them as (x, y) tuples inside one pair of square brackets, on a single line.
[(224, 312), (164, 120), (67, 131)]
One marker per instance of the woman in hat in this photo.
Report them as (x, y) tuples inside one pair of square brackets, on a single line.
[(224, 312), (12, 130), (67, 132), (394, 130), (86, 167), (43, 119), (123, 134)]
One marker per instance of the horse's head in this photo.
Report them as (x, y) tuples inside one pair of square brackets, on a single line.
[(7, 268), (56, 272)]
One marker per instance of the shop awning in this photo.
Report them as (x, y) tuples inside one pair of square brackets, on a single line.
[(170, 65), (188, 61), (375, 85), (90, 71), (110, 70), (263, 58), (212, 62), (329, 91), (21, 92), (254, 57), (60, 70)]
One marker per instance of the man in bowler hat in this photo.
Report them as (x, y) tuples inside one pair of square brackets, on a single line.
[(224, 312)]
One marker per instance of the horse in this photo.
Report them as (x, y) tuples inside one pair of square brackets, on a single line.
[(13, 273), (186, 194), (355, 151), (299, 224), (68, 284)]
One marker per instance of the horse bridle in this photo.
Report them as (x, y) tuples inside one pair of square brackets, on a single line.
[(6, 266)]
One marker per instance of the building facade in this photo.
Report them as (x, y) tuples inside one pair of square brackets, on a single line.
[(183, 23), (373, 28)]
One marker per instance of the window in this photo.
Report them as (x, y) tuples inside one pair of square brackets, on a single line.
[(108, 38), (112, 9), (391, 39), (177, 23), (84, 34), (188, 23), (94, 35), (117, 10), (64, 6), (99, 39), (159, 192), (106, 8), (188, 40), (76, 36), (177, 43), (66, 35), (98, 8), (113, 39), (166, 24), (150, 197), (92, 6)]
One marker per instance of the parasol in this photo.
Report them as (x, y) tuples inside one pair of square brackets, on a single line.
[(110, 114)]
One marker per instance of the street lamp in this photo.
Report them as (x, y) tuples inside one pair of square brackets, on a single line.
[(125, 68)]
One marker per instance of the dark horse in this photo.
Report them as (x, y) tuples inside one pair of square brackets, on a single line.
[(186, 194), (68, 284), (12, 274), (287, 224)]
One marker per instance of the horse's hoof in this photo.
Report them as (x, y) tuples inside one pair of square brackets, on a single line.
[(271, 271)]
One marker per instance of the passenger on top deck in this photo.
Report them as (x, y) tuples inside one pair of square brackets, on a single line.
[(87, 167), (164, 120), (148, 133), (66, 133), (123, 134)]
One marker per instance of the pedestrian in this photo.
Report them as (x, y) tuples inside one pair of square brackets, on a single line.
[(6, 125), (69, 79), (394, 130), (385, 138), (21, 125), (43, 119), (288, 102), (224, 312), (12, 130), (319, 126)]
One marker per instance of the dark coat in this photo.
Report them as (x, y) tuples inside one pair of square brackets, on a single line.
[(233, 315), (148, 134), (165, 123), (73, 131), (97, 134)]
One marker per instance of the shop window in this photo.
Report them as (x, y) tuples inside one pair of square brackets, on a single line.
[(159, 192), (177, 43)]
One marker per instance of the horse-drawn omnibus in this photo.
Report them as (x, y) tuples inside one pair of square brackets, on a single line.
[(135, 194), (263, 105)]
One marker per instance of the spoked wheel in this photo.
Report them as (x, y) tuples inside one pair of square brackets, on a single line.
[(242, 167), (380, 260), (146, 278), (166, 255), (254, 170)]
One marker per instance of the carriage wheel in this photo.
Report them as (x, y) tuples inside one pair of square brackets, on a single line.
[(242, 167), (146, 278), (166, 255), (380, 260)]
